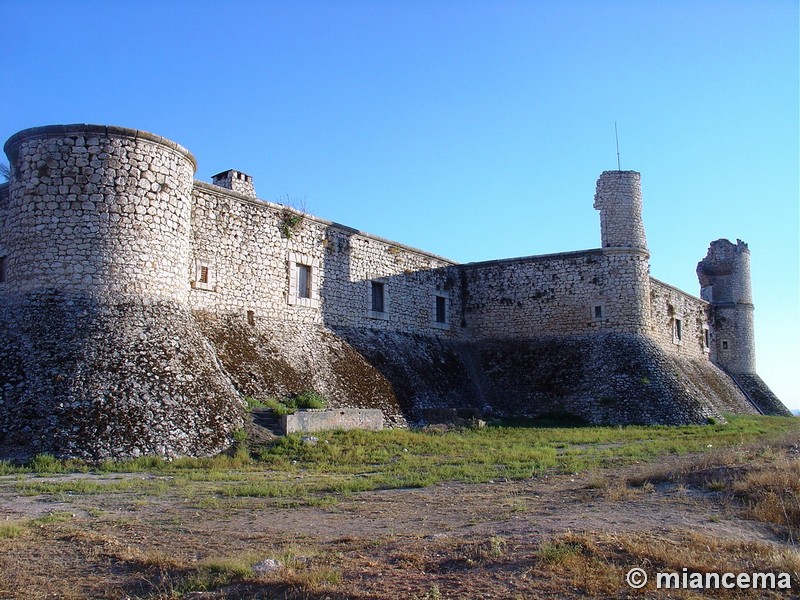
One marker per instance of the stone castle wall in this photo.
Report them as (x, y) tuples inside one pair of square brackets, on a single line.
[(138, 306), (99, 211), (680, 322), (4, 196), (573, 293), (250, 255)]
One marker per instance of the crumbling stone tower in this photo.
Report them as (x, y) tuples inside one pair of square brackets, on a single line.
[(724, 276), (618, 197)]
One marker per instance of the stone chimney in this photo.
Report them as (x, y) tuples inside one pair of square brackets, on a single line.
[(236, 181)]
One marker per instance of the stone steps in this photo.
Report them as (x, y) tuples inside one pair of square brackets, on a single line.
[(266, 418)]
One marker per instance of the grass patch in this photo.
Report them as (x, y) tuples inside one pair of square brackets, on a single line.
[(55, 517), (348, 462), (773, 495), (596, 563), (84, 487), (11, 530)]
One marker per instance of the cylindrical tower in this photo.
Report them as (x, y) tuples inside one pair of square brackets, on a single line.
[(724, 276), (100, 355), (100, 212), (619, 200)]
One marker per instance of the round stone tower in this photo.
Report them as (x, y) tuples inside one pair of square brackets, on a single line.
[(100, 355), (724, 276), (99, 211), (619, 199)]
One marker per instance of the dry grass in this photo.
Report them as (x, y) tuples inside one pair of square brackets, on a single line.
[(596, 563), (765, 478), (490, 541), (773, 495)]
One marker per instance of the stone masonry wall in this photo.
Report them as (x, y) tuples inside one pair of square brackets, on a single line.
[(562, 294), (3, 217), (251, 251), (668, 305), (101, 211)]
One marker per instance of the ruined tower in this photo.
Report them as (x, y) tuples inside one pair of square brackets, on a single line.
[(618, 197), (724, 276)]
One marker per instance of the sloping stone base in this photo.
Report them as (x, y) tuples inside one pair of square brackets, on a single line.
[(97, 381)]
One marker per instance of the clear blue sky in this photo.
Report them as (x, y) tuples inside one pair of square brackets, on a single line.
[(475, 130)]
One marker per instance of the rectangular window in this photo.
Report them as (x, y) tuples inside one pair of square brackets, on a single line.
[(378, 290), (706, 338), (304, 284), (598, 312), (2, 269), (303, 281), (724, 344), (204, 274), (678, 330), (441, 309), (251, 317)]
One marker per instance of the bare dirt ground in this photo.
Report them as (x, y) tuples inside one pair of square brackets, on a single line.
[(550, 537)]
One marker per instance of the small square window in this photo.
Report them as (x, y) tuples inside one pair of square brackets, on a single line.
[(378, 299), (203, 276), (598, 312)]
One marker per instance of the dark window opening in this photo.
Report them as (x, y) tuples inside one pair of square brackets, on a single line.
[(2, 269), (441, 309), (203, 274), (598, 312), (377, 296), (706, 339), (725, 345), (678, 329), (251, 317), (303, 281)]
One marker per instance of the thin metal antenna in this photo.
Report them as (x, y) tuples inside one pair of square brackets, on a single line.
[(616, 135)]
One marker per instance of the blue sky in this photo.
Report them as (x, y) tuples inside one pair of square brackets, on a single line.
[(475, 130)]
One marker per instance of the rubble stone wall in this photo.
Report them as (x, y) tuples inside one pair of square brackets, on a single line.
[(100, 211), (251, 251), (680, 322), (563, 294)]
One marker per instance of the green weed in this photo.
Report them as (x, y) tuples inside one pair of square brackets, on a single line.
[(10, 530)]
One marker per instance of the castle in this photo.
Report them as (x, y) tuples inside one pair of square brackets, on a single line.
[(138, 306)]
